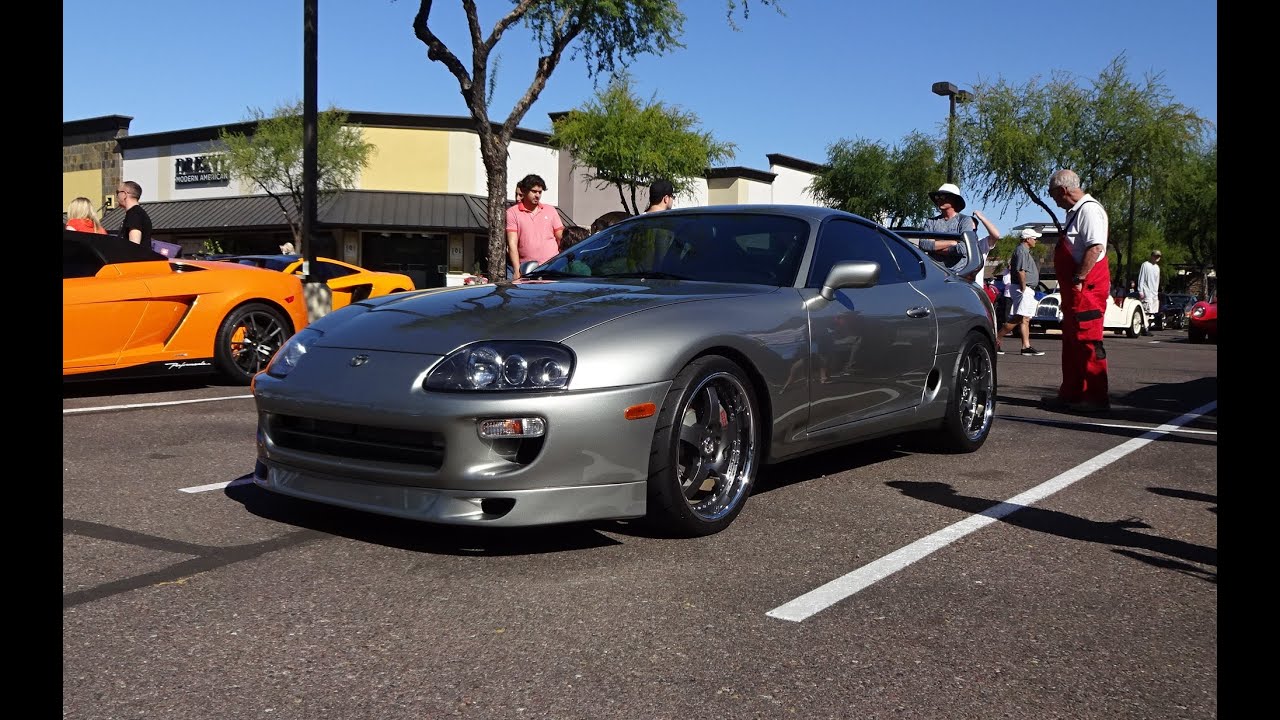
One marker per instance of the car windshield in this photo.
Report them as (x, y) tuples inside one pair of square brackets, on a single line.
[(750, 248)]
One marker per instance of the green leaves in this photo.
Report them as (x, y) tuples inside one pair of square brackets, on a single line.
[(887, 184), (271, 155), (618, 139)]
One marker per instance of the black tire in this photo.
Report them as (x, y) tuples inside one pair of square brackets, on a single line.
[(1196, 336), (971, 407), (249, 336), (706, 449)]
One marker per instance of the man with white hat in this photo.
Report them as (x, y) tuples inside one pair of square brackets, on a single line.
[(1025, 274), (1149, 289), (949, 219)]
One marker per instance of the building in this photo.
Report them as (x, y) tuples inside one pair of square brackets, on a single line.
[(418, 208)]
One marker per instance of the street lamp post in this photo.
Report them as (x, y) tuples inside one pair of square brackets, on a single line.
[(954, 94)]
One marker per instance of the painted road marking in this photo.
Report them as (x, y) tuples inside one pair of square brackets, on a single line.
[(205, 488), (105, 408), (833, 592), (217, 486)]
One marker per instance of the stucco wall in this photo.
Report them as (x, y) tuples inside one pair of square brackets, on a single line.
[(408, 160)]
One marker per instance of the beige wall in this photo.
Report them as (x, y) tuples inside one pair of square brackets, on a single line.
[(82, 183), (408, 160)]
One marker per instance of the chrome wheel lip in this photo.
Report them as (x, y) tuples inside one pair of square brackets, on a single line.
[(976, 383), (716, 442)]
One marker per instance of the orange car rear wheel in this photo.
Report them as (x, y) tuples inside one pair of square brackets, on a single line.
[(247, 340)]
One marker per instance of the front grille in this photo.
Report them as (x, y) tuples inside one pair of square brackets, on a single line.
[(359, 442)]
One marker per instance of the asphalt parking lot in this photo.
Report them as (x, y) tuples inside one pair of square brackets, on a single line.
[(1068, 569)]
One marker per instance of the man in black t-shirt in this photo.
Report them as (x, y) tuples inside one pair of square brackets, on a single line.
[(137, 223)]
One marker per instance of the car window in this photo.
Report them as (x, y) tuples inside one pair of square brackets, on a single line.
[(909, 262), (327, 271), (747, 248), (843, 240)]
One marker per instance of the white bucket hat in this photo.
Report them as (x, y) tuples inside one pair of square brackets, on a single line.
[(952, 190)]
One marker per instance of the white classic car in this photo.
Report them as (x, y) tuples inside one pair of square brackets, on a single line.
[(1124, 314)]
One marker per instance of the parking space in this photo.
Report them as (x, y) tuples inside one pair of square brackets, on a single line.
[(1066, 569)]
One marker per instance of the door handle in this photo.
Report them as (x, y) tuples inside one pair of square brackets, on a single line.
[(918, 312)]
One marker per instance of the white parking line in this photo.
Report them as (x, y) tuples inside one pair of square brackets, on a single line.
[(833, 592), (217, 486), (205, 488), (104, 408)]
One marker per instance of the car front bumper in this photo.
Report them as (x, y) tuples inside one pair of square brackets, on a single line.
[(419, 455)]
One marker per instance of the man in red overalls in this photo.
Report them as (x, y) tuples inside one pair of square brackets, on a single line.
[(1080, 263)]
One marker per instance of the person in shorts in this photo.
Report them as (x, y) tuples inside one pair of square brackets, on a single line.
[(1024, 274)]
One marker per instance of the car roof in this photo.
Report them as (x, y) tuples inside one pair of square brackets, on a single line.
[(112, 249), (812, 212)]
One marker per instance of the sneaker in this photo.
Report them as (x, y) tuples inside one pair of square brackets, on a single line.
[(999, 350), (1031, 351)]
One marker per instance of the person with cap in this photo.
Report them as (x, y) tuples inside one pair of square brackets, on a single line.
[(662, 194), (1084, 279), (1025, 273), (949, 219), (286, 248), (1149, 290)]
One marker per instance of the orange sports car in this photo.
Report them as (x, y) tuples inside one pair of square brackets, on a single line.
[(128, 311), (348, 283)]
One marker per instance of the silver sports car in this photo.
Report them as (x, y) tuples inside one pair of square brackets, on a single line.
[(648, 371)]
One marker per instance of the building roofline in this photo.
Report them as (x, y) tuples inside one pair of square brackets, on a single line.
[(738, 171), (365, 119), (795, 163), (105, 126)]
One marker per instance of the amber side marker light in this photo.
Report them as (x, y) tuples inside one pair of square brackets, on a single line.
[(643, 410)]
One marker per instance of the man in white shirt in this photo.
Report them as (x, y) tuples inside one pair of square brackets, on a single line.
[(1149, 289)]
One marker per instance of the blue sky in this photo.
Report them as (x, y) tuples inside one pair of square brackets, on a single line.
[(791, 84)]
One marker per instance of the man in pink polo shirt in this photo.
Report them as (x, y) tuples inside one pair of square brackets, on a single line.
[(534, 228)]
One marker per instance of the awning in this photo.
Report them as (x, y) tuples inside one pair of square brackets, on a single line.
[(362, 209)]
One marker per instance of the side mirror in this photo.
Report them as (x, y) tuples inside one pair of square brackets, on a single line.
[(862, 274), (528, 266)]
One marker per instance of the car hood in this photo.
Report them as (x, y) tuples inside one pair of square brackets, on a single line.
[(441, 320)]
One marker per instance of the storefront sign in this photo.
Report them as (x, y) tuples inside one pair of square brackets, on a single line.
[(200, 171)]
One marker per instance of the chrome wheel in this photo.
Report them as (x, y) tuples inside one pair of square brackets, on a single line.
[(715, 449), (971, 404), (706, 446), (976, 385)]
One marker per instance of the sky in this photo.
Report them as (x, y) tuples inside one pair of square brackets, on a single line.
[(791, 83)]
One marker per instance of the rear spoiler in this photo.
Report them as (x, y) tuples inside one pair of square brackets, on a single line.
[(964, 259)]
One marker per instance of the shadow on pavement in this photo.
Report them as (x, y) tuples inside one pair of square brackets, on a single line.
[(1118, 533)]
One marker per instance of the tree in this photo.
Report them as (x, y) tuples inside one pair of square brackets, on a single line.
[(271, 157), (607, 33), (889, 185), (1121, 138), (1190, 208), (622, 142)]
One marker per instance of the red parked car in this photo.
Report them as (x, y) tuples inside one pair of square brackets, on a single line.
[(1202, 320)]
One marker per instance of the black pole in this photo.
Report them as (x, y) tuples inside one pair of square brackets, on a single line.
[(309, 19), (951, 143)]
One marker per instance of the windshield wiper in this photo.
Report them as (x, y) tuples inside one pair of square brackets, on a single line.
[(653, 274)]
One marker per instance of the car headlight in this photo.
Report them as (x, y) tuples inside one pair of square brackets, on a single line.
[(1198, 312), (288, 356), (504, 365)]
